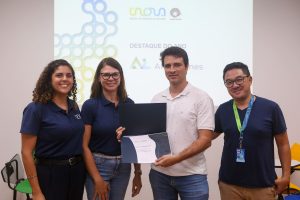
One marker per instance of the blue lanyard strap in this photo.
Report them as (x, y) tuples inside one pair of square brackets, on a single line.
[(242, 127)]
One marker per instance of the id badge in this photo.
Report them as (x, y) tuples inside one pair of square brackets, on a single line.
[(240, 155)]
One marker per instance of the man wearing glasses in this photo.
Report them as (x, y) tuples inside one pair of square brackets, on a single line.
[(250, 124)]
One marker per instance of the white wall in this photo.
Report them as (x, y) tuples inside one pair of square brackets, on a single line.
[(277, 59), (26, 46)]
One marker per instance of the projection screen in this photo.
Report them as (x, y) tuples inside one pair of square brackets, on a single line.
[(213, 32)]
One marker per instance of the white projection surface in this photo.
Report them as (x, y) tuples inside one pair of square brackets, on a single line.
[(213, 32)]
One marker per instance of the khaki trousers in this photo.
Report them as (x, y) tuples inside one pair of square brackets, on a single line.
[(233, 192)]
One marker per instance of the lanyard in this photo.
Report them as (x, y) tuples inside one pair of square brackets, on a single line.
[(242, 127)]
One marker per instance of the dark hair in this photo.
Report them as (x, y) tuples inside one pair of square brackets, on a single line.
[(97, 90), (43, 91), (174, 51), (236, 65)]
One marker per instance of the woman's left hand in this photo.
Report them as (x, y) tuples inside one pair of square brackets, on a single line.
[(119, 133)]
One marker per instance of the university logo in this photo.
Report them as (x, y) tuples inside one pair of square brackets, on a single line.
[(77, 116)]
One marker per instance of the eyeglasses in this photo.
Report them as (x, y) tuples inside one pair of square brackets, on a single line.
[(239, 80), (106, 76)]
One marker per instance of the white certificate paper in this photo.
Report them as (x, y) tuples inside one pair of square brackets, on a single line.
[(144, 148)]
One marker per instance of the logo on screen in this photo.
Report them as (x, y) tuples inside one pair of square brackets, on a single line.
[(147, 12), (139, 63), (175, 12), (154, 13)]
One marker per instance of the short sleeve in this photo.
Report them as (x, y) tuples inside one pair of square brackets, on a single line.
[(218, 127), (205, 115), (88, 111), (154, 100), (157, 98), (279, 125), (31, 120), (129, 101)]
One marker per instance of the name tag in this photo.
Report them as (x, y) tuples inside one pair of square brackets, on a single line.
[(240, 155)]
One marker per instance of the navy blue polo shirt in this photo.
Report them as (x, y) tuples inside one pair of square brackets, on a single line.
[(265, 121), (59, 133), (103, 116)]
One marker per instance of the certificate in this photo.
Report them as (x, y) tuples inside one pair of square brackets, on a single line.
[(145, 138), (144, 148)]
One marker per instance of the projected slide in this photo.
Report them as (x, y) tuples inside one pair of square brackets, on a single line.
[(213, 32)]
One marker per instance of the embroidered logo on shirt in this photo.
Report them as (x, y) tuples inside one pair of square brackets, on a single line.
[(77, 116)]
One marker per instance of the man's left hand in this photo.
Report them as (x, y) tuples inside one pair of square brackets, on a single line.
[(281, 184)]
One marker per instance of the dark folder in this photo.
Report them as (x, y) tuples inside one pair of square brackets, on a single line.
[(143, 120)]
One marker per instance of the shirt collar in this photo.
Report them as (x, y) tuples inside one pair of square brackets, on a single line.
[(185, 91), (58, 109), (106, 102)]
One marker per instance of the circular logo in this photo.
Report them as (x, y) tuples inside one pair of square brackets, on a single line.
[(175, 12)]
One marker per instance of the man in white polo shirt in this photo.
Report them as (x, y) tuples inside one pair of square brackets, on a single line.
[(190, 122)]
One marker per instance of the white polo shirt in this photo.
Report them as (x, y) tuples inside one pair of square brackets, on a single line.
[(188, 112)]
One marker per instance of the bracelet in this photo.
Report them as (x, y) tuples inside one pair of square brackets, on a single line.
[(32, 177), (138, 172)]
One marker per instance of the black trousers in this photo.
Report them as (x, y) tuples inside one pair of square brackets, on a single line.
[(62, 182)]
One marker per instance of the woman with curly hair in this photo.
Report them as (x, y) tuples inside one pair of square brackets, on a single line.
[(52, 131), (107, 177)]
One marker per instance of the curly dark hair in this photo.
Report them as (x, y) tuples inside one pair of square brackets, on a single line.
[(43, 91), (97, 90)]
